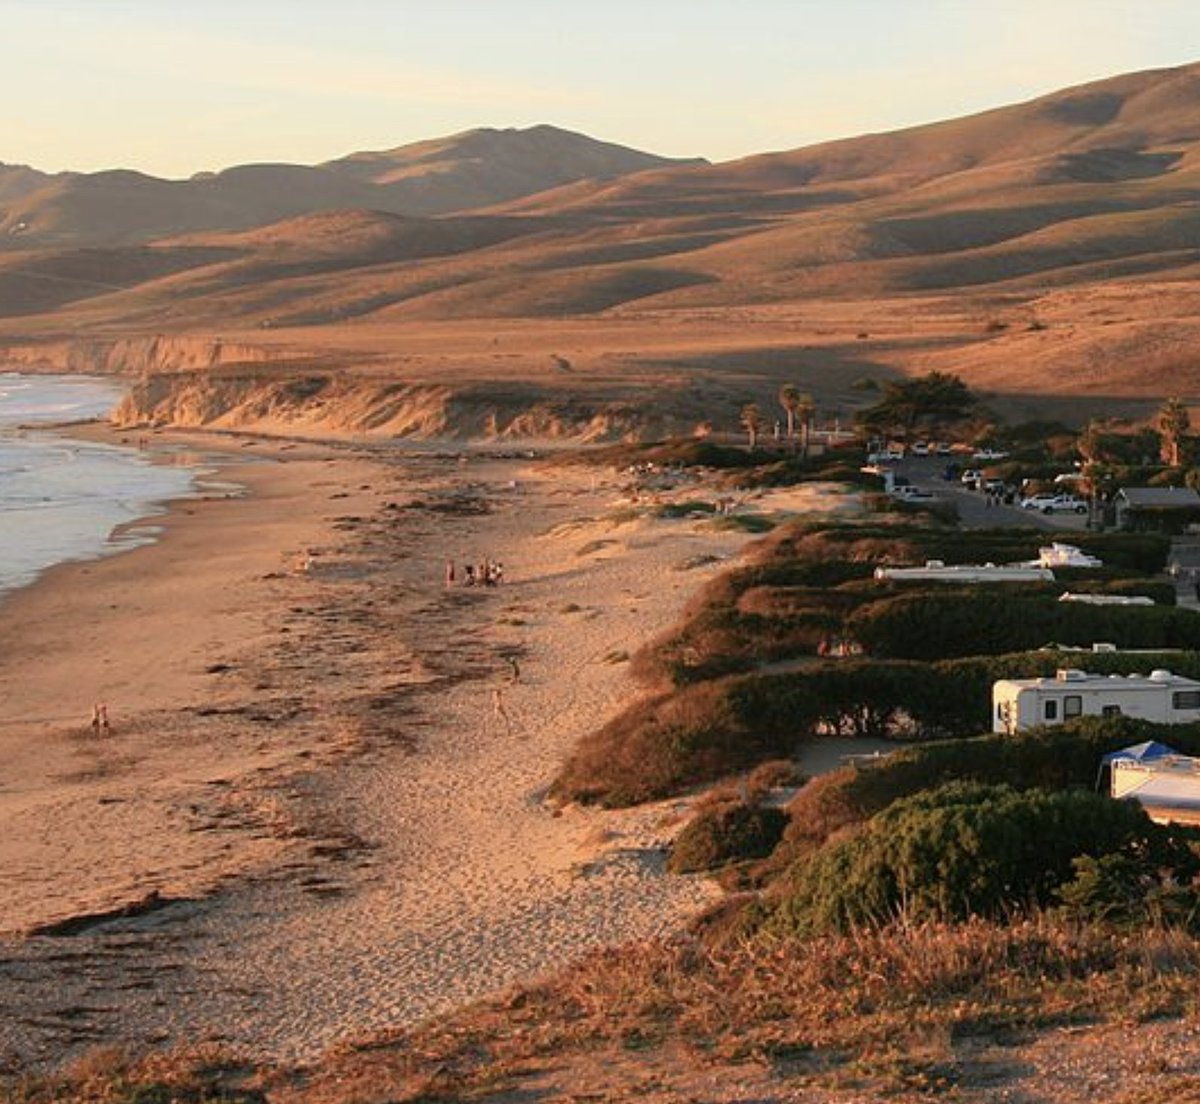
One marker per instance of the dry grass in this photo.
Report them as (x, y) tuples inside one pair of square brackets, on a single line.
[(896, 1011), (1049, 271)]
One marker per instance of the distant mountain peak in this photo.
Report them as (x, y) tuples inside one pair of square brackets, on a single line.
[(478, 168)]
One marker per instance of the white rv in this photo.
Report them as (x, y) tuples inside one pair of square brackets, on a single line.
[(1165, 783), (1160, 696), (937, 571), (1107, 599)]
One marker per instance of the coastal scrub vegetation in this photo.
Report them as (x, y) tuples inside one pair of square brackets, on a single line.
[(771, 464), (803, 642), (965, 837), (732, 832), (881, 1012), (968, 849)]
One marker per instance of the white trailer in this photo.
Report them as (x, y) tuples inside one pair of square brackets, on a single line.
[(1166, 786), (1160, 696), (937, 571)]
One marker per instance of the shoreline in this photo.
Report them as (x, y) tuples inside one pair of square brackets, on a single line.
[(320, 822), (138, 628), (267, 723)]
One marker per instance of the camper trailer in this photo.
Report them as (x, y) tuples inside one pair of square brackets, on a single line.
[(1165, 783), (938, 571), (1160, 696)]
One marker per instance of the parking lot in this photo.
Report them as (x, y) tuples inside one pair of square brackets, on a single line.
[(974, 510)]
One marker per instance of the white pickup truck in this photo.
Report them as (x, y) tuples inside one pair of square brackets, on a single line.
[(1055, 504)]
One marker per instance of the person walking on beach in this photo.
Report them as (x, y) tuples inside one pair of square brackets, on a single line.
[(449, 573), (498, 710), (100, 719)]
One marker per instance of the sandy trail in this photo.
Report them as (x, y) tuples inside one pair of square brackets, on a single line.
[(308, 765)]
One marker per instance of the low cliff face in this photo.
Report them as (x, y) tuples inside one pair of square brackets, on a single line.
[(204, 382), (326, 404), (130, 356)]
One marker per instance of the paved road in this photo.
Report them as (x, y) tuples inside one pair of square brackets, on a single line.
[(973, 510)]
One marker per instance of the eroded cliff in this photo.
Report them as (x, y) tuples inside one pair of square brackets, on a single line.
[(344, 405)]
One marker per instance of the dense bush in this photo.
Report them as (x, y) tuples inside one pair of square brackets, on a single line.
[(727, 834), (792, 470), (1119, 888), (935, 624), (964, 850), (664, 745), (1057, 757), (708, 730), (752, 615)]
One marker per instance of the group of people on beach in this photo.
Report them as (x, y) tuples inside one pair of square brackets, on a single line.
[(484, 573)]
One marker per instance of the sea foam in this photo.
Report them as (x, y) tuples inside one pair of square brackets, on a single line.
[(63, 499)]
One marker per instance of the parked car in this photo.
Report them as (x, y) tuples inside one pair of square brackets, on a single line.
[(921, 448), (1055, 504), (912, 494), (884, 455), (943, 448), (971, 478), (989, 454)]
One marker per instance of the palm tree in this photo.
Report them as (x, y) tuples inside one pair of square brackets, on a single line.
[(1090, 444), (805, 409), (1172, 424), (1096, 477), (789, 399), (751, 420)]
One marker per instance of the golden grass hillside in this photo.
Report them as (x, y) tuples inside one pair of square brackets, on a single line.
[(1040, 251)]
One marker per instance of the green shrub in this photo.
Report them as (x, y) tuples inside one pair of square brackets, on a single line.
[(750, 616), (964, 850), (1120, 888), (684, 509), (665, 744), (935, 624), (1057, 757), (727, 834)]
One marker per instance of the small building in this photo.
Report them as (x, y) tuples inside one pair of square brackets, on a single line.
[(1156, 509), (1161, 697)]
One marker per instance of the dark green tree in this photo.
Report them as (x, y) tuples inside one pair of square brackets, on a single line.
[(927, 403)]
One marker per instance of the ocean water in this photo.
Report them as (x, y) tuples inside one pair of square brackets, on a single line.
[(62, 499)]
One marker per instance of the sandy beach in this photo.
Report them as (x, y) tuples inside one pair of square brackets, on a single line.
[(321, 800)]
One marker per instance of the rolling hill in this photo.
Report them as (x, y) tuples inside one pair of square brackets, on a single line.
[(1038, 249), (473, 169)]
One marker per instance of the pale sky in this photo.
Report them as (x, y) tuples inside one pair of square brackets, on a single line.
[(172, 87)]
